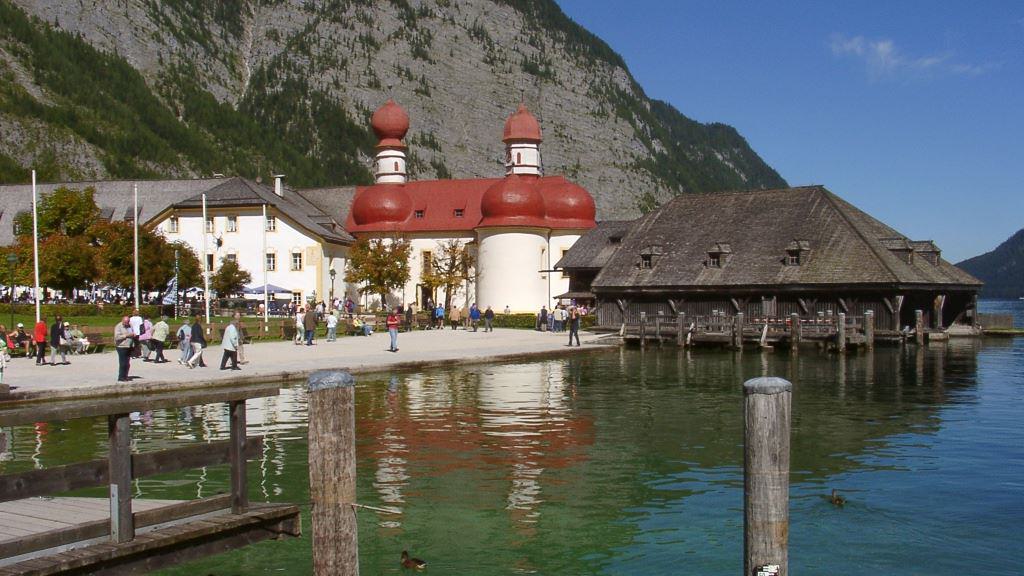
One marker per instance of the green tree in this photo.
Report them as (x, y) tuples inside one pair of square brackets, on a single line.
[(381, 265), (115, 246), (229, 278), (452, 265), (65, 211), (189, 272), (66, 262)]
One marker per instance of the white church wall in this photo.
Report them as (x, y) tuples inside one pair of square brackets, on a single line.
[(560, 243), (509, 262)]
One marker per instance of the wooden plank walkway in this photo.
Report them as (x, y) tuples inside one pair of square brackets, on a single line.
[(22, 518)]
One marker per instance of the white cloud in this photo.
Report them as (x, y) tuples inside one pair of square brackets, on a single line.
[(885, 60)]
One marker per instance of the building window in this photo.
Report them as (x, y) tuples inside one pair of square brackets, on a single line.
[(428, 262), (418, 214), (232, 223), (296, 261), (714, 261), (172, 225), (209, 262), (459, 212), (646, 261), (232, 258), (271, 223), (209, 224), (271, 262), (297, 298), (564, 252), (793, 259)]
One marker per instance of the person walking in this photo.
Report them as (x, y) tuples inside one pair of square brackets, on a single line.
[(124, 341), (574, 326), (409, 313), (184, 336), (439, 317), (198, 342), (230, 345), (309, 323), (136, 323), (488, 320), (455, 316), (159, 337), (392, 324), (39, 337), (300, 327), (332, 327), (58, 342), (542, 319), (474, 316), (145, 339), (241, 338)]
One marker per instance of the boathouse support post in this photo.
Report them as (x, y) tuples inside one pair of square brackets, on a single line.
[(767, 417), (841, 332), (236, 455), (657, 329), (332, 473), (919, 327), (737, 332), (643, 329), (869, 329), (680, 336), (937, 306), (122, 523), (795, 331)]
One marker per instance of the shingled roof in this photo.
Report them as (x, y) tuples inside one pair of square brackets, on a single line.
[(242, 192), (684, 244), (593, 250)]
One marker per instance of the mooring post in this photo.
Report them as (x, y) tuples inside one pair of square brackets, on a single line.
[(643, 329), (766, 411), (680, 323), (657, 329), (795, 331), (122, 523), (332, 473), (737, 332), (841, 333), (919, 327), (869, 330), (236, 454)]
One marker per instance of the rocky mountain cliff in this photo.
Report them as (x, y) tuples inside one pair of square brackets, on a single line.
[(1002, 269), (149, 88)]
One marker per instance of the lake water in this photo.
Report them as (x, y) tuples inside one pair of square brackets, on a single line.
[(630, 462)]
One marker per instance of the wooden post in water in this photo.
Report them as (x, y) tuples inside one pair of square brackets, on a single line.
[(657, 329), (737, 332), (332, 473), (236, 455), (869, 330), (680, 336), (795, 331), (766, 413), (122, 523), (841, 333), (643, 329), (919, 327)]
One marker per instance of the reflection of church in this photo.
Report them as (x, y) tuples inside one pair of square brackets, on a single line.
[(517, 226)]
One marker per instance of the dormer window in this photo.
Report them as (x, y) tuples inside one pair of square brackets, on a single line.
[(459, 212), (797, 252), (418, 214), (718, 255), (900, 248), (927, 250), (649, 256)]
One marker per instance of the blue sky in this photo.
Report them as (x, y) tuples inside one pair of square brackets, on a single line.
[(913, 111)]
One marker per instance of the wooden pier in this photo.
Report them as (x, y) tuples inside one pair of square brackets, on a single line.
[(838, 332), (40, 534)]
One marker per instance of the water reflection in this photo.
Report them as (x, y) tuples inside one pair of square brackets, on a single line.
[(622, 462)]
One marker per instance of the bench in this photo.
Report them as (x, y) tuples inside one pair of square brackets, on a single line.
[(97, 342)]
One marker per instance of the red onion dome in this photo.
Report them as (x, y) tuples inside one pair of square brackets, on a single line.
[(513, 200), (521, 125), (569, 201), (381, 203), (390, 123)]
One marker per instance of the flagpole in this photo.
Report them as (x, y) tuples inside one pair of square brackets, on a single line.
[(266, 298), (206, 271), (176, 283), (35, 246), (135, 222)]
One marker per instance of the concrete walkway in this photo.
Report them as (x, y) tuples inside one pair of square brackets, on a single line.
[(96, 374)]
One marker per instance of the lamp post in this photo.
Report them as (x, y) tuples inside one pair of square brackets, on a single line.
[(333, 273), (12, 261)]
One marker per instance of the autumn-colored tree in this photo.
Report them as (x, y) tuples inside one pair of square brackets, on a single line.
[(452, 264), (115, 243), (229, 278), (189, 272), (65, 211), (66, 262), (381, 264)]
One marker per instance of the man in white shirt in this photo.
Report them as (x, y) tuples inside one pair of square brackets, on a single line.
[(332, 326), (135, 323)]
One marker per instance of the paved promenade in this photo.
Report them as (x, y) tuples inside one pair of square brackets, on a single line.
[(96, 374)]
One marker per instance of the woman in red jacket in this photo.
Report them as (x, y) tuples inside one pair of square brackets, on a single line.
[(392, 323), (40, 334)]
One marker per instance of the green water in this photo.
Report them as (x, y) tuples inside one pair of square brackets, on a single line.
[(630, 462)]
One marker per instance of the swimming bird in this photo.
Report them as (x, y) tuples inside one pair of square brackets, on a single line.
[(408, 562), (837, 499)]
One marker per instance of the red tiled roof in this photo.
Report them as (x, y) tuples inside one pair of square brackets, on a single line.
[(521, 125)]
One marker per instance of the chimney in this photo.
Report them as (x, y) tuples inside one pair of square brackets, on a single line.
[(278, 186)]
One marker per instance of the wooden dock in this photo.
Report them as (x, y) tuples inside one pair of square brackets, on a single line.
[(40, 534)]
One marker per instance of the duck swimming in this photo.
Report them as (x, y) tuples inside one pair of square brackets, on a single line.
[(837, 499), (408, 562)]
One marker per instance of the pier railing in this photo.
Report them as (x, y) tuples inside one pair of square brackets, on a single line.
[(737, 329)]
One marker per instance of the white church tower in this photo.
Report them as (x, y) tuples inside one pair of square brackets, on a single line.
[(390, 123)]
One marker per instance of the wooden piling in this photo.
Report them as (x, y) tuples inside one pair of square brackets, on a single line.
[(795, 331), (332, 473), (841, 333), (680, 336), (869, 330), (122, 525), (643, 329), (767, 417), (737, 332), (919, 327), (236, 454), (657, 329)]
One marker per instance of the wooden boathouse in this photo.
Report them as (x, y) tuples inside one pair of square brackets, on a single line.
[(767, 259)]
